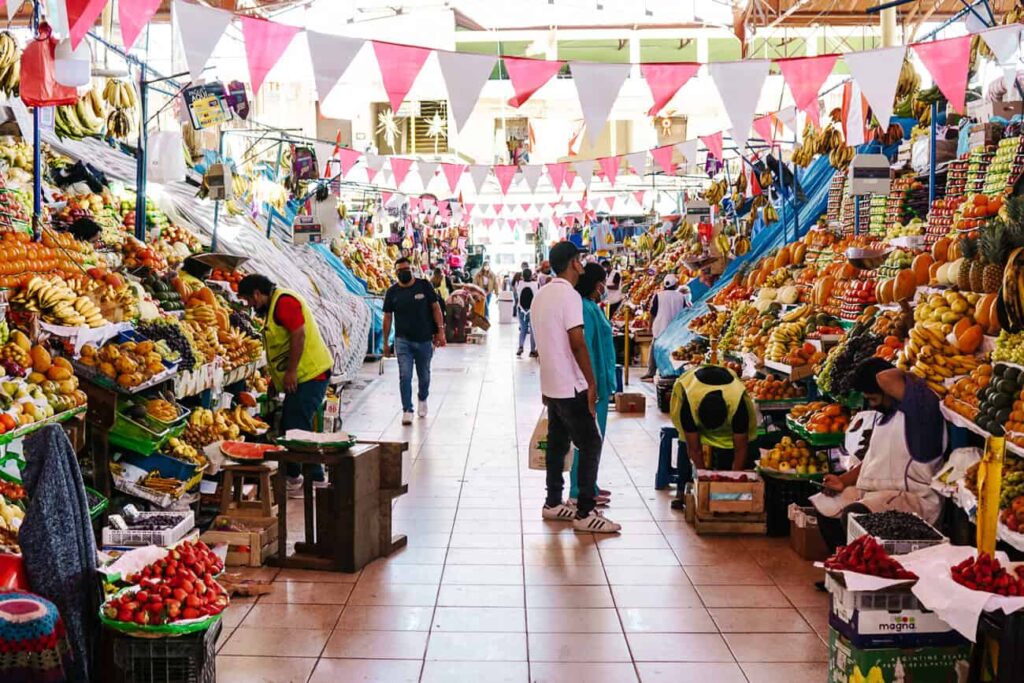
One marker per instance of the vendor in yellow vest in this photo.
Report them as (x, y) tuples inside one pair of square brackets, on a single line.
[(298, 360), (711, 407)]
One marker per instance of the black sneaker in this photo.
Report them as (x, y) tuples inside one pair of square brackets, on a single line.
[(534, 354), (519, 353)]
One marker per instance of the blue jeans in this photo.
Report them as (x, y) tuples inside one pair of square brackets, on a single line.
[(297, 412), (602, 423), (409, 353), (526, 328)]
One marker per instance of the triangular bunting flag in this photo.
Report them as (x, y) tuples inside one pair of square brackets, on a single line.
[(464, 76), (82, 14), (331, 56), (663, 157), (453, 173), (714, 144), (637, 161), (585, 170), (610, 168), (689, 151), (374, 163), (414, 203), (400, 168), (665, 80), (853, 126), (505, 173), (385, 197), (201, 29), (531, 174), (527, 76), (324, 156), (804, 76), (1004, 41), (426, 172), (739, 86), (754, 184), (12, 8), (877, 73), (265, 42), (764, 126), (947, 61), (788, 118), (479, 175), (638, 196), (610, 202), (399, 66), (557, 174), (348, 158), (570, 177), (597, 86), (133, 15)]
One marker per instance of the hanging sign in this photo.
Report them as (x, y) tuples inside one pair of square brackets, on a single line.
[(207, 105), (306, 230), (698, 212)]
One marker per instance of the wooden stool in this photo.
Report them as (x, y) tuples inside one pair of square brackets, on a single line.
[(231, 502)]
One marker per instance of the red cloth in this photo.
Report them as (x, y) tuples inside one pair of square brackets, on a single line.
[(288, 314)]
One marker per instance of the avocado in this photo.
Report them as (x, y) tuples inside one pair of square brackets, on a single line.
[(1002, 400), (1012, 373), (998, 369), (1007, 386), (1003, 415)]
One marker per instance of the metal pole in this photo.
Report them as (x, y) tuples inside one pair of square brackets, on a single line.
[(625, 345), (140, 160), (216, 202), (37, 154), (277, 173), (931, 153), (792, 203)]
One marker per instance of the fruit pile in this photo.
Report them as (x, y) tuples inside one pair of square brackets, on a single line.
[(999, 400), (889, 348), (181, 450), (58, 303), (986, 574), (772, 389), (142, 256), (12, 513), (1012, 516), (129, 363), (177, 339), (154, 522), (963, 397), (836, 372), (162, 292), (795, 456), (866, 556), (1005, 167), (692, 352), (940, 219), (893, 525), (711, 324), (821, 418), (232, 277), (207, 426)]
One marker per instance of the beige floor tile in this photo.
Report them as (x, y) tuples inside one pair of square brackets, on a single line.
[(561, 555), (316, 576), (471, 647), (632, 541), (483, 574), (366, 671), (804, 594), (461, 556), (678, 647), (646, 576), (666, 620), (223, 636), (751, 620), (676, 672), (406, 595), (565, 575), (785, 673), (568, 596), (276, 642), (735, 573), (236, 611), (639, 558), (656, 596), (383, 572), (376, 645), (480, 619), (490, 541), (573, 620), (256, 573), (233, 669), (559, 672), (742, 596), (772, 647), (455, 595), (293, 616), (303, 593), (385, 618), (816, 618), (475, 672), (410, 555), (578, 647)]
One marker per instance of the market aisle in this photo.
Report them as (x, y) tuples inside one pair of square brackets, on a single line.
[(488, 591)]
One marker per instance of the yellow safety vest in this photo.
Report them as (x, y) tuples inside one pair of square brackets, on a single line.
[(316, 357), (733, 393)]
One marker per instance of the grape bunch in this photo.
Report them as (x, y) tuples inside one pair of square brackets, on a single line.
[(242, 323), (837, 371), (893, 525), (155, 522), (170, 331)]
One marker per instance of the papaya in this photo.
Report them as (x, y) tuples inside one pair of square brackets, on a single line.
[(58, 374), (969, 339), (62, 362), (41, 360), (905, 286), (940, 250), (921, 266)]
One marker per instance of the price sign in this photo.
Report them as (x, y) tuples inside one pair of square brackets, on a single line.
[(207, 105), (305, 230)]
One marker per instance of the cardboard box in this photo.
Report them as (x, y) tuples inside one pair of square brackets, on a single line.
[(248, 548), (736, 496), (804, 535), (919, 664), (985, 135), (984, 111), (635, 404)]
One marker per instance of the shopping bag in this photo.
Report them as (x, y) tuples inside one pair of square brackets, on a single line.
[(39, 86), (539, 451)]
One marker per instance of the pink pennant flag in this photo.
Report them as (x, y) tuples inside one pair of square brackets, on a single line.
[(764, 126), (570, 177), (639, 197), (400, 168), (82, 14), (468, 207), (804, 76), (134, 15), (535, 223), (947, 61), (265, 42), (399, 66), (610, 202), (663, 157), (414, 202), (348, 158), (527, 76), (453, 173), (505, 173), (665, 80), (557, 174), (385, 197), (525, 207), (714, 144), (610, 168), (371, 173), (488, 222)]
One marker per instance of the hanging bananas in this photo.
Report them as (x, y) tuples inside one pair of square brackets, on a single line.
[(121, 97), (840, 158), (909, 81), (10, 64), (769, 215), (741, 245), (85, 117)]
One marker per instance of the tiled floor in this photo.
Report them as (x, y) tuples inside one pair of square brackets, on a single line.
[(486, 591)]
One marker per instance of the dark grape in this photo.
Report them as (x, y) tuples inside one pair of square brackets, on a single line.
[(897, 526), (175, 338)]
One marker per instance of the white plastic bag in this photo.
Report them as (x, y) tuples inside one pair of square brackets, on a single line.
[(165, 157)]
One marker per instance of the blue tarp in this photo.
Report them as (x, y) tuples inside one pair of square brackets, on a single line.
[(357, 287)]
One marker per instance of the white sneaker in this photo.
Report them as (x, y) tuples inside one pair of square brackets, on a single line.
[(563, 512), (421, 409), (293, 487), (596, 523), (407, 418)]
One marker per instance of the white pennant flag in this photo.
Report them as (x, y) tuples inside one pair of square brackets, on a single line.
[(1004, 42), (597, 86), (479, 175), (637, 161), (324, 154), (331, 56), (201, 29), (739, 86), (426, 171), (855, 117), (465, 76), (585, 171), (531, 174), (788, 118), (12, 8), (56, 12), (877, 73), (375, 162), (689, 151)]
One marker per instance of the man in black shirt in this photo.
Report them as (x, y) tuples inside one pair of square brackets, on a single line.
[(419, 327)]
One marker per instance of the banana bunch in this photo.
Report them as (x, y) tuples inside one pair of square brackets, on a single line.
[(201, 313), (644, 242), (83, 118), (119, 124), (246, 422), (59, 304), (928, 355), (120, 95), (740, 185), (183, 451), (769, 215), (785, 336), (10, 64), (716, 191), (909, 81), (742, 244), (766, 178), (684, 232), (840, 158), (797, 314), (721, 243), (802, 155), (829, 140)]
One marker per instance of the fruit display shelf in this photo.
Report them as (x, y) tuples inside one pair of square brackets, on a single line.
[(779, 405), (165, 535), (792, 373), (25, 430), (819, 439), (956, 178), (786, 475)]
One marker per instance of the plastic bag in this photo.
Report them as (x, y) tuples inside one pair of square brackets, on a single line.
[(39, 86), (538, 448)]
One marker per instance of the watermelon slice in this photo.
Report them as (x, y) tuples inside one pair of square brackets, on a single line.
[(241, 450)]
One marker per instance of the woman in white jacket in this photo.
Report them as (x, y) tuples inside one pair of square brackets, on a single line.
[(665, 306)]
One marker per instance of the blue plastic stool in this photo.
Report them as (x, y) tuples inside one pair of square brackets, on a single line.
[(667, 474)]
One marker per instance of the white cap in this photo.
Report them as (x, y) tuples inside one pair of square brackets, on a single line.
[(671, 280)]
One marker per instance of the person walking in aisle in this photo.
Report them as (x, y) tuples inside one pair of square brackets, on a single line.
[(525, 290), (419, 328), (569, 390), (613, 285), (665, 306), (298, 359), (485, 280), (597, 332)]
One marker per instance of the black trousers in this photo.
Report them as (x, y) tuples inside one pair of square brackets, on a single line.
[(569, 420), (833, 529)]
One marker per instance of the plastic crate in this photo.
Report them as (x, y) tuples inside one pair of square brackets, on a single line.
[(97, 509), (166, 465), (189, 658), (779, 494), (854, 531), (135, 436), (164, 537)]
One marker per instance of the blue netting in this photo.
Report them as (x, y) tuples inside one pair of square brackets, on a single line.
[(357, 287)]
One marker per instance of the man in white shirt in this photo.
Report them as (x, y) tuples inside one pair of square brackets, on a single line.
[(570, 391), (665, 306)]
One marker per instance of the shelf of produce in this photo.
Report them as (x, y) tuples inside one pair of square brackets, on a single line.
[(790, 476), (93, 375), (779, 405), (25, 430), (790, 372), (958, 420), (827, 440), (80, 336)]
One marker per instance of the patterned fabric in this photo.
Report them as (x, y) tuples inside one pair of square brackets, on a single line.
[(33, 643)]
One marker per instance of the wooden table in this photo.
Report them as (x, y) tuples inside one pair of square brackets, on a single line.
[(348, 523)]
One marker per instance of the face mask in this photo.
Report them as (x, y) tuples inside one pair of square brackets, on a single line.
[(604, 295), (405, 276)]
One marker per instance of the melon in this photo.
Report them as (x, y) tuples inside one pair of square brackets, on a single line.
[(242, 450), (789, 295)]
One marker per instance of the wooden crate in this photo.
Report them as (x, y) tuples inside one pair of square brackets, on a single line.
[(730, 524), (260, 537), (730, 497)]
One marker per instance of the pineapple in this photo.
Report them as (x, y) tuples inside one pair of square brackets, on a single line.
[(969, 251), (993, 244)]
